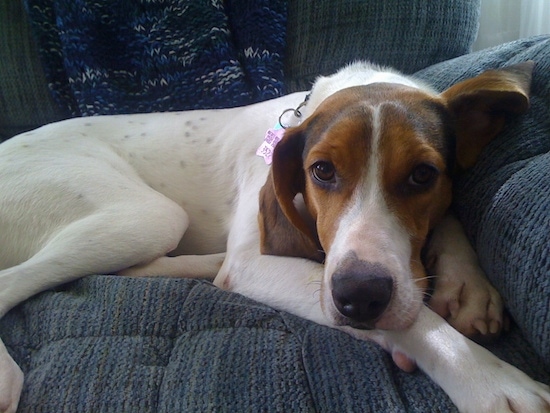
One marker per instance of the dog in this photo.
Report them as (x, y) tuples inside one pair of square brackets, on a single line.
[(333, 230)]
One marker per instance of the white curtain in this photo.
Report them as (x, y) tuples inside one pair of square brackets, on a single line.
[(502, 21)]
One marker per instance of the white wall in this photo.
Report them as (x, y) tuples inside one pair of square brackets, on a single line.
[(506, 20)]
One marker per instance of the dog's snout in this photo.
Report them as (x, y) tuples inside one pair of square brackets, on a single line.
[(361, 291)]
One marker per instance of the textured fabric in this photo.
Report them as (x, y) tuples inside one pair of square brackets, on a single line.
[(504, 201), (119, 344), (408, 35), (25, 100), (115, 344), (315, 29), (107, 57)]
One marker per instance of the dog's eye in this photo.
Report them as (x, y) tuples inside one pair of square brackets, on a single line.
[(323, 172), (423, 175)]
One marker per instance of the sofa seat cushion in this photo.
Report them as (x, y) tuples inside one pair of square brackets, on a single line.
[(120, 344)]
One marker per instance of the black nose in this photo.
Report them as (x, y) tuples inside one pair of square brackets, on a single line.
[(361, 290)]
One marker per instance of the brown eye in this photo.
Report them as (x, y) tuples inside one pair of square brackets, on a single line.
[(323, 172), (423, 175)]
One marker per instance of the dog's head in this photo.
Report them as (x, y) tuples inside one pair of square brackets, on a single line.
[(361, 182)]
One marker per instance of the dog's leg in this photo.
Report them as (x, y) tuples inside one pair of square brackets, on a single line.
[(474, 378), (122, 234), (182, 266), (463, 295), (11, 382), (267, 278), (289, 284)]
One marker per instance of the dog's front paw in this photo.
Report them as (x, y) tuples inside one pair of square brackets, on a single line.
[(466, 299), (11, 382), (505, 389)]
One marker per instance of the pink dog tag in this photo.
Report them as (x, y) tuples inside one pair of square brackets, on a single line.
[(272, 137)]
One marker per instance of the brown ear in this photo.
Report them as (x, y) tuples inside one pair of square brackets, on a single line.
[(481, 105), (284, 231)]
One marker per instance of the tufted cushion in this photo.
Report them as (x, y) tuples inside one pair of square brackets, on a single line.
[(119, 344), (504, 201)]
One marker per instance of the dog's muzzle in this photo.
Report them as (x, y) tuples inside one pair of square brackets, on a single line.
[(361, 291)]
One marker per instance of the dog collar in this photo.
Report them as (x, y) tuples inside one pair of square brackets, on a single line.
[(274, 135)]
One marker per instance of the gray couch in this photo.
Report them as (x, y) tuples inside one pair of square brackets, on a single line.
[(115, 344)]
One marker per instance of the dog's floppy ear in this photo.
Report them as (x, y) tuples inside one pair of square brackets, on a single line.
[(481, 104), (284, 231)]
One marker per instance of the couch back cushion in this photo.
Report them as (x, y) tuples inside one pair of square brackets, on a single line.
[(408, 35), (25, 100), (321, 37)]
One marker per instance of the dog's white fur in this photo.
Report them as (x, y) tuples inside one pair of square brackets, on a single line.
[(116, 194)]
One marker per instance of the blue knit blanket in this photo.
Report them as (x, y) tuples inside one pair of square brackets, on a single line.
[(126, 56)]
